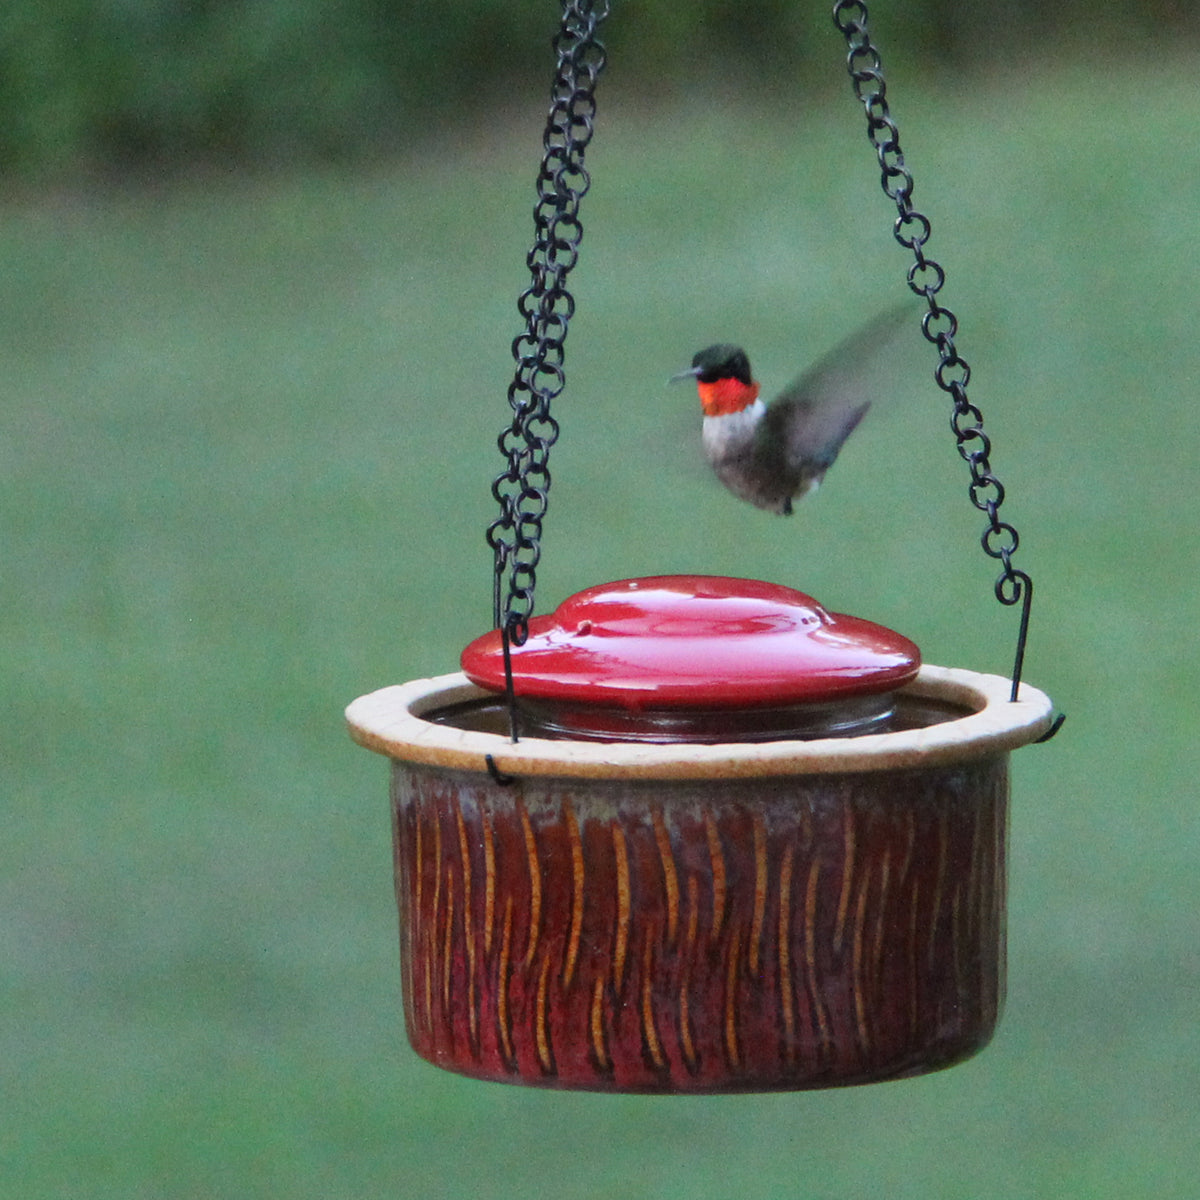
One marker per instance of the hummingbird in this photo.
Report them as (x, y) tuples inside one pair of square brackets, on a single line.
[(774, 454)]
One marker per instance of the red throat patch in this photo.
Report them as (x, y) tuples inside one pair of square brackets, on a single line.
[(725, 396)]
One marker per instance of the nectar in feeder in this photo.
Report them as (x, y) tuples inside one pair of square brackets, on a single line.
[(750, 845)]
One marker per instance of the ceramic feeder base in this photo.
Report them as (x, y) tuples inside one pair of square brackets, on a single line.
[(709, 918), (702, 936)]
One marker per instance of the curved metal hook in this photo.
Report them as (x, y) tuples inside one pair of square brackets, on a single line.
[(1055, 726), (498, 776)]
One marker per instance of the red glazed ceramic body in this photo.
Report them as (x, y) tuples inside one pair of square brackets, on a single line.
[(701, 937), (707, 918)]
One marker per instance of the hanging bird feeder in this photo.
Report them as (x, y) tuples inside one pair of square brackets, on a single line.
[(698, 834)]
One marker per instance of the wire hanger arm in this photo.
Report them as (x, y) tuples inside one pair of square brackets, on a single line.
[(939, 325)]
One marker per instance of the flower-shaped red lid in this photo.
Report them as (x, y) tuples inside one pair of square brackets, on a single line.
[(696, 642)]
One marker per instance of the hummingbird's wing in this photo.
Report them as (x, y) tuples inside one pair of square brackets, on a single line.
[(806, 425)]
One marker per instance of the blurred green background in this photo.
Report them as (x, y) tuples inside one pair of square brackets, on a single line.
[(252, 376)]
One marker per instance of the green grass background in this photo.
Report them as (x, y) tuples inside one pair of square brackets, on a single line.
[(246, 446)]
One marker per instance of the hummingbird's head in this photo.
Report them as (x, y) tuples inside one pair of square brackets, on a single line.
[(723, 379)]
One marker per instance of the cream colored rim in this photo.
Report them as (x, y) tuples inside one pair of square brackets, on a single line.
[(389, 722)]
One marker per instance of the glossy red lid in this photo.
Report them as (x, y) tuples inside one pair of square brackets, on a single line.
[(695, 641)]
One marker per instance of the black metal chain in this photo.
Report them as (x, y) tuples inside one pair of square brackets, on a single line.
[(523, 488), (939, 324)]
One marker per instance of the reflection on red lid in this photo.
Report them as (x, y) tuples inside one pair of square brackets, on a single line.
[(695, 641)]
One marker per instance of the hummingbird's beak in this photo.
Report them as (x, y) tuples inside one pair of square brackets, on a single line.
[(690, 373)]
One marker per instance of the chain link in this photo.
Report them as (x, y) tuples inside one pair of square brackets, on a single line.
[(522, 489), (939, 325)]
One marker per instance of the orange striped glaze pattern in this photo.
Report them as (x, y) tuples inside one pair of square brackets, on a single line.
[(754, 935)]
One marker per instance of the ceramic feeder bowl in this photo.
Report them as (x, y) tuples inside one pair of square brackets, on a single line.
[(742, 844)]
